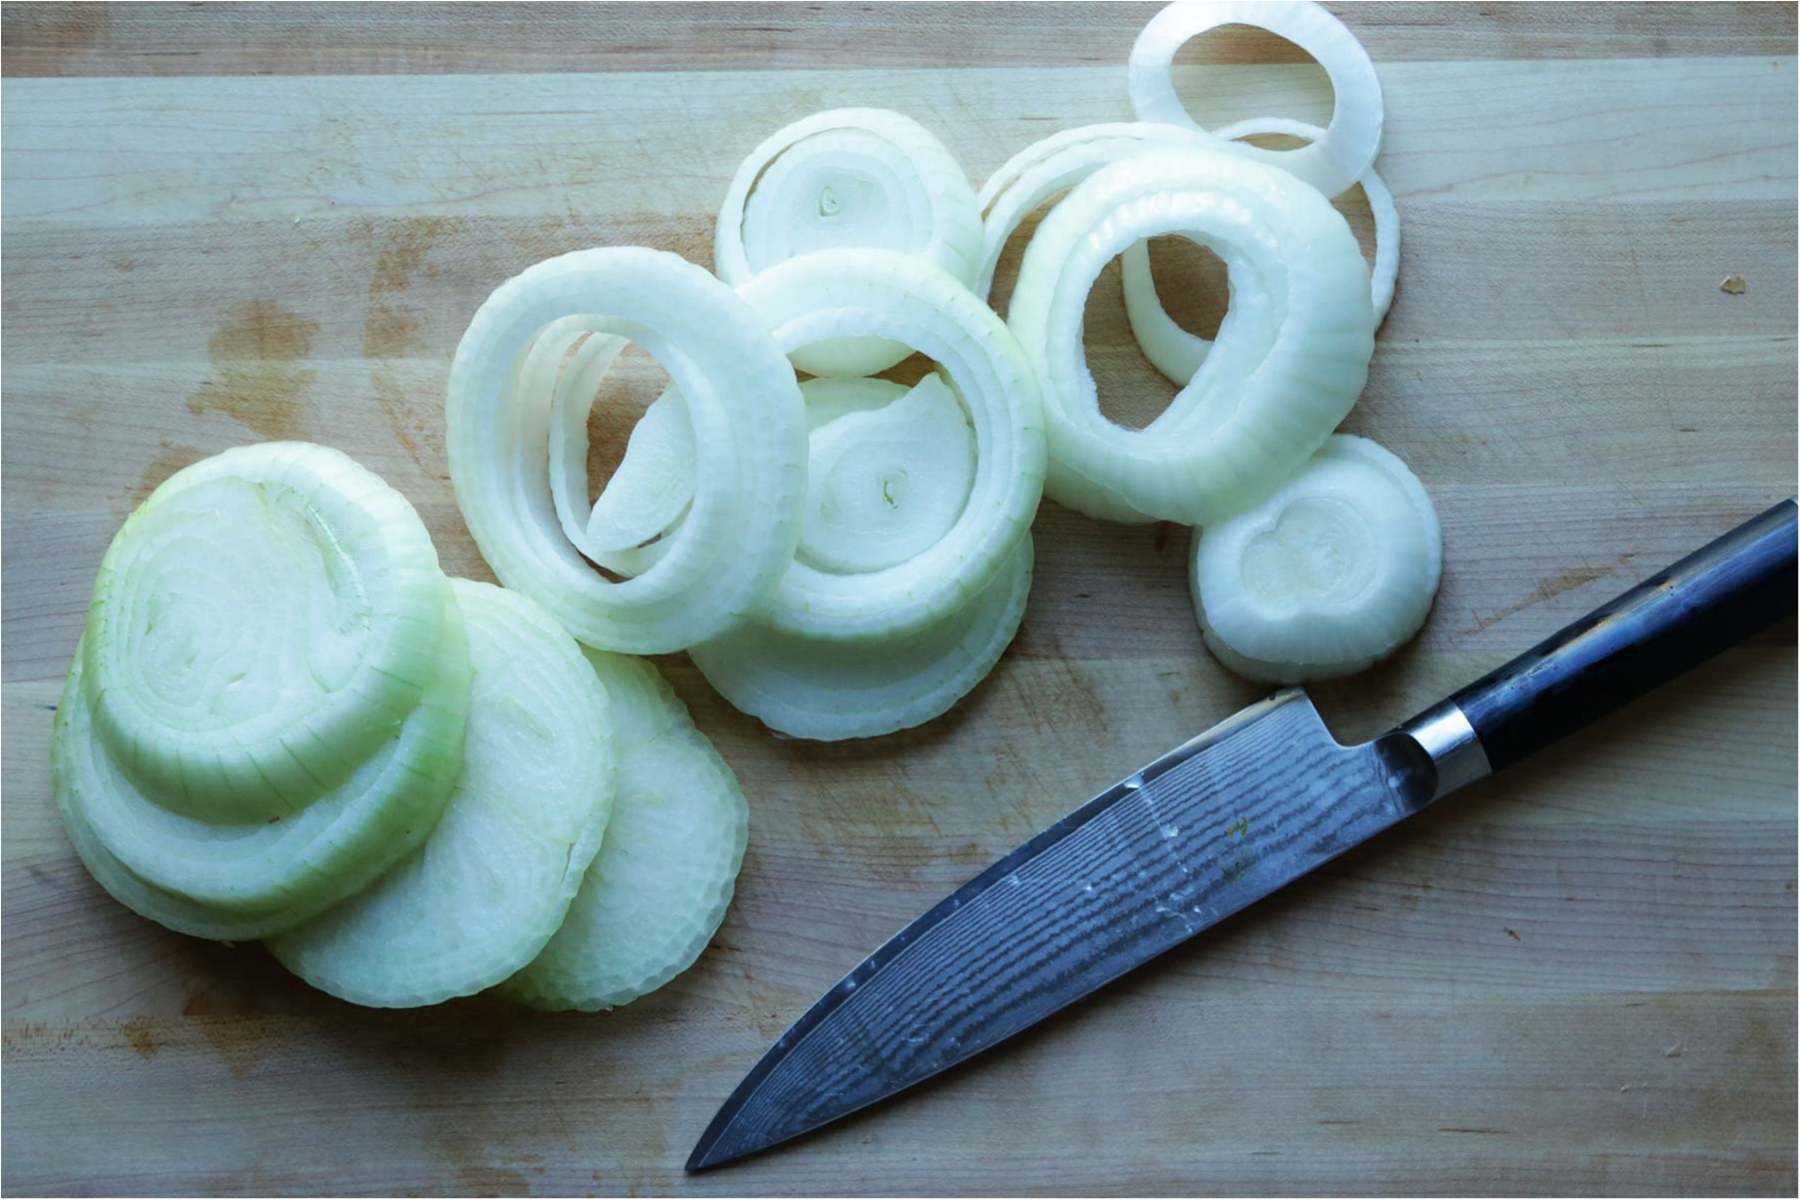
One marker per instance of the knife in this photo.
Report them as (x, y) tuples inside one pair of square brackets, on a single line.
[(1215, 825)]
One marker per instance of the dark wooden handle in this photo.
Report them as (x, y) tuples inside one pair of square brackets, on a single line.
[(1711, 600)]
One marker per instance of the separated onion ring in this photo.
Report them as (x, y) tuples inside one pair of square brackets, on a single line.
[(1331, 163), (742, 525), (849, 178), (1291, 356), (878, 293), (1177, 353)]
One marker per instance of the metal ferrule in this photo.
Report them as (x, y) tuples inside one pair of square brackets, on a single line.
[(1445, 734)]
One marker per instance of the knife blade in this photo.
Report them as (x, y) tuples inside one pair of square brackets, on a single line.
[(1208, 829)]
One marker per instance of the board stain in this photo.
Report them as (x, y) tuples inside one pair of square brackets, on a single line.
[(169, 458), (229, 1018), (257, 379), (392, 331), (140, 1035), (1547, 589)]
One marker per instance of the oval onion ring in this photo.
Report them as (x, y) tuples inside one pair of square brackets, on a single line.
[(1292, 353), (749, 445), (849, 178), (1331, 163)]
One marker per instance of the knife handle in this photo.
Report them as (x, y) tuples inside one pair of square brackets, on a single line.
[(1716, 597)]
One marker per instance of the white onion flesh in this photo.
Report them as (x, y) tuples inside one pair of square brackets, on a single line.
[(484, 893), (1174, 351), (260, 626), (886, 485), (1291, 356), (1329, 574), (1350, 142), (838, 293), (742, 523), (807, 689), (663, 879), (849, 178)]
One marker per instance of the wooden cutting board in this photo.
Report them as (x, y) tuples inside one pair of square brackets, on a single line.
[(232, 223)]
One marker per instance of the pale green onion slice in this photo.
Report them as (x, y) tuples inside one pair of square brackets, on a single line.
[(259, 627), (885, 485), (836, 293), (660, 886), (1331, 573), (1291, 356), (484, 893), (1331, 163), (742, 523), (831, 691), (848, 178), (1177, 353)]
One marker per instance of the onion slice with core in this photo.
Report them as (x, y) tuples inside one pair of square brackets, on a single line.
[(742, 524), (797, 686), (1177, 353), (1352, 139), (837, 293), (492, 883), (1291, 356), (663, 879), (259, 627), (1326, 576), (848, 178)]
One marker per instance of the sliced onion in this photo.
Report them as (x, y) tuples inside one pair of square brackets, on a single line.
[(1177, 353), (742, 525), (1291, 356), (1327, 575), (838, 293), (493, 881), (260, 626), (667, 868), (885, 485), (1331, 163), (830, 691), (848, 178)]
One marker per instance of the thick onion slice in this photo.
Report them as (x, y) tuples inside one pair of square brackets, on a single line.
[(478, 900), (1177, 353), (837, 293), (294, 866), (742, 523), (1291, 356), (1326, 576), (849, 178), (808, 689), (660, 886), (1331, 163), (259, 627)]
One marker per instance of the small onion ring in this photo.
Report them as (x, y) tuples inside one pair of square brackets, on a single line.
[(1178, 353), (1351, 140), (928, 209), (859, 293), (750, 443), (1291, 357)]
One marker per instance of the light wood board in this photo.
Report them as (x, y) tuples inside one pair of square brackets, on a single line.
[(228, 223)]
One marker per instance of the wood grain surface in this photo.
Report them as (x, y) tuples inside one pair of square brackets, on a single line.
[(234, 222)]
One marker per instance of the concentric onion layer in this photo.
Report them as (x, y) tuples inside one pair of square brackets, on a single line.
[(1177, 353), (260, 626), (848, 178), (1291, 356), (749, 446), (1350, 142), (659, 888), (838, 293), (484, 893), (797, 686), (1329, 574)]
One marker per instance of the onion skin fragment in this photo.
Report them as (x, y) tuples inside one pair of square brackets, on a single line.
[(1291, 356), (742, 526), (1325, 577)]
